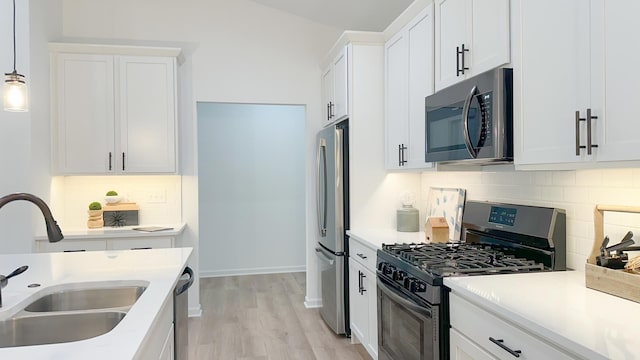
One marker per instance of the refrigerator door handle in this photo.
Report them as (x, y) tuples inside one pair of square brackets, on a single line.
[(324, 257), (321, 191), (338, 145)]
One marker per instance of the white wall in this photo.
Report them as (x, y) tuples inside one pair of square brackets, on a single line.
[(251, 188), (575, 191), (15, 134)]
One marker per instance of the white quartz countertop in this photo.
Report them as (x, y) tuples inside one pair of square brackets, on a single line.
[(116, 232), (160, 268), (558, 307), (374, 238)]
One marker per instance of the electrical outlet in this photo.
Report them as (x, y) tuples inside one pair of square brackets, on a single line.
[(157, 197)]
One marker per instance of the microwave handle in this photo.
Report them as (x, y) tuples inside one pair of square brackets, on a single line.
[(465, 116)]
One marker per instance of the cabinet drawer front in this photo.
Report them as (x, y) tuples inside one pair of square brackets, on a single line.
[(71, 246), (363, 254), (497, 336), (138, 244)]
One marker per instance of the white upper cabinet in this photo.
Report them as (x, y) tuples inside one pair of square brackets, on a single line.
[(471, 37), (587, 75), (113, 112), (615, 86), (84, 85), (408, 80), (147, 114), (335, 88)]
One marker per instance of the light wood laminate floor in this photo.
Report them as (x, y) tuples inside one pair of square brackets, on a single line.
[(258, 317)]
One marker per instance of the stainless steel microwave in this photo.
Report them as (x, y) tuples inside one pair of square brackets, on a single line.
[(472, 121)]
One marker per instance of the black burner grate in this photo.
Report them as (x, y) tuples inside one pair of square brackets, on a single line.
[(460, 259)]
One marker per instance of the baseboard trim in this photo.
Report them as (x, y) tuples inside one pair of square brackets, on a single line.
[(255, 271), (195, 311), (312, 303)]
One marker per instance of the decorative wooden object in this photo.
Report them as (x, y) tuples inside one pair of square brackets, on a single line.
[(615, 282), (436, 230), (95, 219)]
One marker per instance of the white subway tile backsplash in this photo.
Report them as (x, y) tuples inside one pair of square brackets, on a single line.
[(575, 191)]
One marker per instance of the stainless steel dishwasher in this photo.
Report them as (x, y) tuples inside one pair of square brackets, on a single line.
[(181, 315)]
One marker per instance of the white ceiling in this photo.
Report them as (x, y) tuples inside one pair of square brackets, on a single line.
[(363, 15)]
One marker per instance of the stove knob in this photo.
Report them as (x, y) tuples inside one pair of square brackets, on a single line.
[(388, 270), (381, 266), (418, 286), (399, 275), (408, 282)]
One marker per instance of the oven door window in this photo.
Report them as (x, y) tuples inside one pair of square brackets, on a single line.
[(405, 329)]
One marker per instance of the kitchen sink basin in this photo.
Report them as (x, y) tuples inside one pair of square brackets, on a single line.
[(87, 299), (56, 328)]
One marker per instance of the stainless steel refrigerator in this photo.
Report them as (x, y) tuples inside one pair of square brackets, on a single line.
[(332, 189)]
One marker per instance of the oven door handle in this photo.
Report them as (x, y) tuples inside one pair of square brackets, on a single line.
[(465, 117), (390, 292)]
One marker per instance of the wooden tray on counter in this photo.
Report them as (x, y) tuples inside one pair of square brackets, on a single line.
[(614, 282)]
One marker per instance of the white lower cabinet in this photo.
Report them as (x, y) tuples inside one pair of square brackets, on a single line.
[(464, 349), (154, 242), (363, 304), (479, 334), (159, 343)]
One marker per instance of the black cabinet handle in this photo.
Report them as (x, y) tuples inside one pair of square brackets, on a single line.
[(142, 248), (361, 256), (79, 250), (460, 58), (399, 155), (331, 104), (360, 282), (123, 161), (590, 144), (362, 289), (402, 149), (457, 60), (328, 111), (110, 162), (504, 347)]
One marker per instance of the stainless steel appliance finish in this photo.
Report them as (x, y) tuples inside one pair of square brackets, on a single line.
[(181, 315), (472, 121), (413, 303), (333, 219)]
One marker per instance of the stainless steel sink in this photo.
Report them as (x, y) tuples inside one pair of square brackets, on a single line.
[(87, 299), (56, 328)]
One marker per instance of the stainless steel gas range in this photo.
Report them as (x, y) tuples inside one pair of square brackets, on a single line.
[(413, 304)]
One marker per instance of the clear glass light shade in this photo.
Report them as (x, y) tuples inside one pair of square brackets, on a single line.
[(14, 94)]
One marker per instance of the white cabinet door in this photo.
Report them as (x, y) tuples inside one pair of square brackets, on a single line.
[(421, 84), (615, 84), (168, 349), (471, 37), (551, 81), (83, 86), (358, 305), (396, 109), (327, 92), (147, 115), (369, 284), (408, 80), (462, 348), (341, 98), (490, 36), (452, 31)]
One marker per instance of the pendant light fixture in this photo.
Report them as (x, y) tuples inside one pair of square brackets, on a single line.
[(15, 88)]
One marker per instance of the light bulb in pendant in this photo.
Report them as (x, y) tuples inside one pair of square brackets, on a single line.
[(15, 93)]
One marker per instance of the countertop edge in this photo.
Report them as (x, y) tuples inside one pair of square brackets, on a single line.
[(112, 233)]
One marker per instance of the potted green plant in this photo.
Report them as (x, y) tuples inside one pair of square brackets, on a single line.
[(112, 197), (95, 216)]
